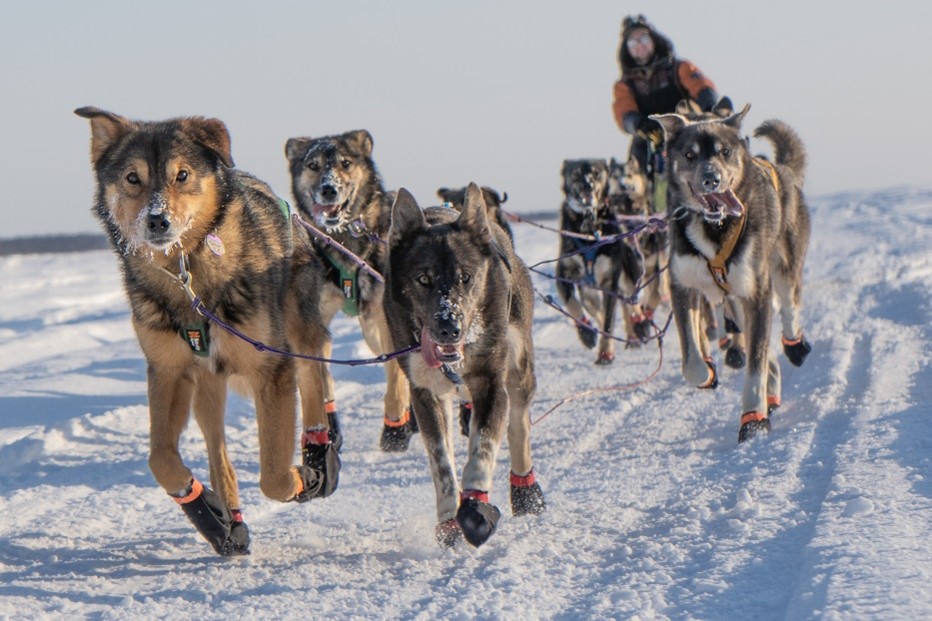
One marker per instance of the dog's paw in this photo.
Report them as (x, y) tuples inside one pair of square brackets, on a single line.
[(477, 518), (773, 402), (605, 358), (465, 417), (642, 328), (224, 529), (448, 533), (712, 382), (735, 357), (396, 435), (731, 326), (320, 473), (336, 431), (526, 496), (753, 424), (796, 351), (588, 335)]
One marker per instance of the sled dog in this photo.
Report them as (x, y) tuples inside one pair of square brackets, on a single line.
[(722, 321), (337, 187), (187, 227), (493, 201), (456, 287), (739, 230), (630, 195), (591, 276)]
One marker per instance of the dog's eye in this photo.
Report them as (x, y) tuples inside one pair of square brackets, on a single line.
[(464, 277), (346, 164), (726, 152), (689, 155), (313, 165), (424, 279), (182, 176), (132, 179)]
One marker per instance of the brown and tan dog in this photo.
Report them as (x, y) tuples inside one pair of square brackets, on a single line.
[(337, 187), (189, 229)]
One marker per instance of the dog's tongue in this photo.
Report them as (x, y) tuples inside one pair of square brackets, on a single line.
[(429, 349), (726, 201), (328, 210), (733, 206)]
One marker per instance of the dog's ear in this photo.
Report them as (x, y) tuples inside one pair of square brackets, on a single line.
[(106, 129), (492, 199), (724, 107), (407, 217), (295, 148), (687, 107), (671, 124), (361, 140), (474, 216), (735, 119), (211, 133)]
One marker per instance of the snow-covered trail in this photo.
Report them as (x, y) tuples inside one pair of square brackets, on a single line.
[(654, 511)]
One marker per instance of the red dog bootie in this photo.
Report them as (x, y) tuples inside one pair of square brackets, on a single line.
[(476, 517), (526, 495), (752, 424)]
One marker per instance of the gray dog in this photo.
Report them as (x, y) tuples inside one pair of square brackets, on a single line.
[(455, 286), (739, 230)]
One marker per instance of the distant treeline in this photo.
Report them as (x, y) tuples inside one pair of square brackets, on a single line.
[(47, 244)]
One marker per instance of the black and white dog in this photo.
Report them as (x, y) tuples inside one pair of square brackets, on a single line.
[(739, 229)]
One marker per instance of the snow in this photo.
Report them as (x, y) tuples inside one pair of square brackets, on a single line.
[(654, 511)]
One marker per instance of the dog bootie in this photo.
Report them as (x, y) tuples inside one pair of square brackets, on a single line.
[(526, 495), (448, 533), (752, 424), (773, 402), (465, 417), (476, 517), (320, 472), (641, 325), (735, 357), (587, 333), (223, 528), (796, 350), (336, 431), (605, 358), (396, 434), (712, 382)]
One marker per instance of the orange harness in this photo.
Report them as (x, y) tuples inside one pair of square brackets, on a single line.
[(718, 267)]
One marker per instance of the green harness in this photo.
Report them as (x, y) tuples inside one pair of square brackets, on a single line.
[(349, 286)]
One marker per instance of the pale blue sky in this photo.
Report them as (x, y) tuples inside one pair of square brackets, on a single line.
[(497, 92)]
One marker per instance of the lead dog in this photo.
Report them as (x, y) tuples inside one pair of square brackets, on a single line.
[(336, 185), (739, 228), (456, 287), (187, 226)]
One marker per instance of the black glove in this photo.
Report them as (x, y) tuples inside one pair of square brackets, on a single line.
[(650, 130)]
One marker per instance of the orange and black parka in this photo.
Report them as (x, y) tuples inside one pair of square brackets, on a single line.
[(655, 88)]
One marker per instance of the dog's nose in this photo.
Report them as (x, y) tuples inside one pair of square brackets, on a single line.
[(711, 181), (450, 329), (158, 222), (328, 193)]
